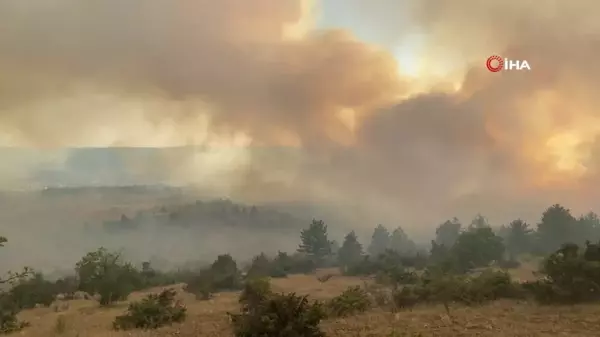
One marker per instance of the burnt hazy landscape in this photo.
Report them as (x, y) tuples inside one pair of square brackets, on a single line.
[(299, 168), (100, 254)]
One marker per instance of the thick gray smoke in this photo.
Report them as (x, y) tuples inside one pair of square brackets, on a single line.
[(280, 111)]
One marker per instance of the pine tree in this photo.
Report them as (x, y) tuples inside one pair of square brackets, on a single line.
[(401, 243), (314, 241), (351, 250), (380, 241)]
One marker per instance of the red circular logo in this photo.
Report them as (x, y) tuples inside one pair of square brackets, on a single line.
[(496, 68)]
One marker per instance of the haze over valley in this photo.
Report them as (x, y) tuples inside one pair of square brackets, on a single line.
[(354, 113)]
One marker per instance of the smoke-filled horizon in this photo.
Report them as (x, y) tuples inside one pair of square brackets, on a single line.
[(412, 142)]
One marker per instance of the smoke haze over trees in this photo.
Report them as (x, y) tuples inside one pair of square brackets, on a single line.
[(294, 106), (295, 101)]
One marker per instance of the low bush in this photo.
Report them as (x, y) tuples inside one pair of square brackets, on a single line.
[(29, 292), (366, 266), (389, 268), (282, 315), (224, 274), (378, 294), (396, 276), (67, 285), (154, 311), (569, 276), (384, 262), (352, 301), (105, 273), (417, 261), (406, 297), (201, 285), (9, 322), (295, 264), (489, 286), (262, 266), (449, 288), (255, 292)]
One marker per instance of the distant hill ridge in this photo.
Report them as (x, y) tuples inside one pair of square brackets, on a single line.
[(110, 166), (221, 213)]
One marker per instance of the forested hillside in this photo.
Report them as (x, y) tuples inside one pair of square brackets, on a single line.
[(212, 214)]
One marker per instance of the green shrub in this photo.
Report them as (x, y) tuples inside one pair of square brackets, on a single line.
[(154, 311), (117, 284), (570, 277), (367, 266), (222, 275), (382, 263), (29, 292), (352, 301), (9, 323), (293, 264), (444, 288), (262, 266), (68, 285), (477, 247), (154, 278), (8, 316), (278, 273), (225, 274), (491, 285), (388, 267), (378, 294), (417, 261), (282, 315), (435, 287), (255, 292), (406, 297), (201, 285), (438, 284), (545, 292), (396, 276), (8, 308), (105, 273)]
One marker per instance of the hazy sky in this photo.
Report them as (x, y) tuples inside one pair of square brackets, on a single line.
[(382, 104), (375, 23)]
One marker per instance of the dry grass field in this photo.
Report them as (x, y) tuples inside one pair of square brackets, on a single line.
[(83, 318)]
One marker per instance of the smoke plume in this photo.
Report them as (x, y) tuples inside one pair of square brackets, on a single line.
[(237, 79)]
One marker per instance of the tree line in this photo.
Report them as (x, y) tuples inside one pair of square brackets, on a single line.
[(572, 274), (477, 243)]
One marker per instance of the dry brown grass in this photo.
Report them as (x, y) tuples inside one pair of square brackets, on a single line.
[(208, 318)]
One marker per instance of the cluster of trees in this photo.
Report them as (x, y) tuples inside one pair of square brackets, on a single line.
[(476, 246), (571, 274), (455, 246), (556, 226), (264, 312), (101, 274), (216, 213)]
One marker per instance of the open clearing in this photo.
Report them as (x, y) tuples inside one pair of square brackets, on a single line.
[(83, 318)]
